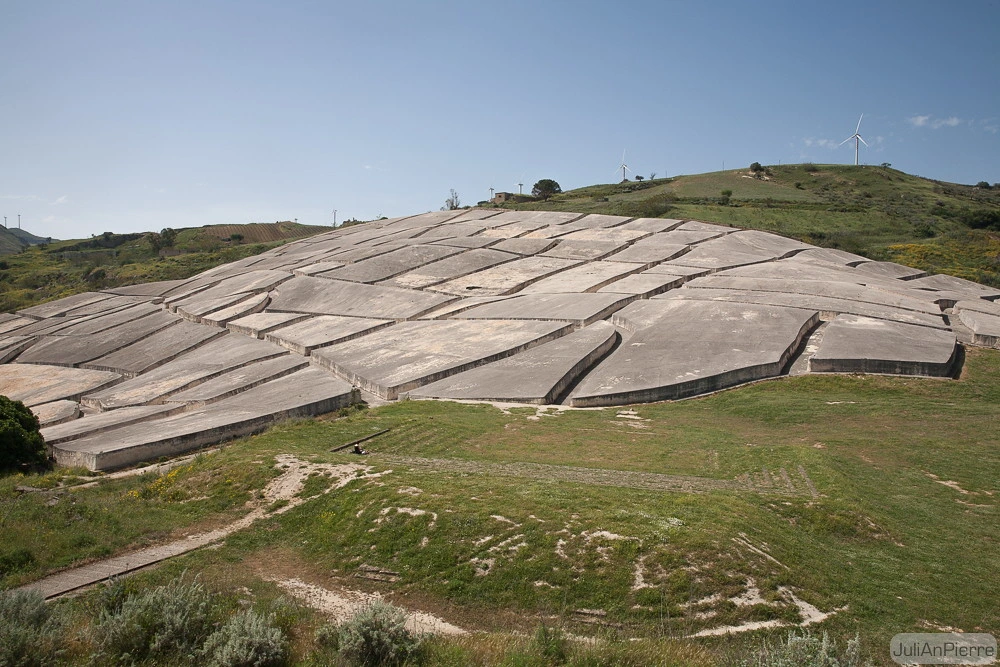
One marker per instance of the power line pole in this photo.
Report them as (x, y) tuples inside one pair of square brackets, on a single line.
[(334, 217)]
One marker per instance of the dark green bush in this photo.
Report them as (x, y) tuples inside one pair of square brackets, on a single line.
[(552, 644), (20, 441), (13, 561)]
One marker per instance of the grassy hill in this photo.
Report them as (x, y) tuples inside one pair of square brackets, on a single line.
[(872, 499), (877, 212), (26, 237), (14, 240), (53, 270)]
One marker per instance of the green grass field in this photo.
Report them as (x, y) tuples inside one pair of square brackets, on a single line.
[(900, 534)]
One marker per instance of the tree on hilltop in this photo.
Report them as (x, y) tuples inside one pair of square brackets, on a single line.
[(452, 202), (545, 188)]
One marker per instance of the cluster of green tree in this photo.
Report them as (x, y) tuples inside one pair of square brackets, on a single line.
[(545, 188), (101, 241), (165, 239), (975, 218), (21, 443)]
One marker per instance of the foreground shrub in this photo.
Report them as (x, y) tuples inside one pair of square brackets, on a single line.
[(30, 634), (377, 635), (247, 639), (806, 650), (170, 621), (551, 643), (482, 649), (20, 440)]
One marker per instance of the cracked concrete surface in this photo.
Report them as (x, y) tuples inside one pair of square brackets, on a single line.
[(475, 304)]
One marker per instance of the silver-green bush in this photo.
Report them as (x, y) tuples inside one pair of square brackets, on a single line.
[(377, 635), (807, 650), (30, 633), (167, 622), (247, 639)]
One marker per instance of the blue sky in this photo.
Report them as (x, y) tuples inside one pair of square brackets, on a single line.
[(137, 115)]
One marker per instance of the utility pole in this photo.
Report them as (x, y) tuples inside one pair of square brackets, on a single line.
[(334, 217), (5, 222), (18, 220)]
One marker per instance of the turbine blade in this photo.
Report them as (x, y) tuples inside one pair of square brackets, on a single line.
[(862, 141), (845, 141), (858, 129)]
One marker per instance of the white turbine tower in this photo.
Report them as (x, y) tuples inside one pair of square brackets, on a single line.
[(857, 138), (624, 168), (520, 185)]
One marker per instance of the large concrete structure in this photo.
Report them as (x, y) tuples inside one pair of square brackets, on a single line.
[(533, 307)]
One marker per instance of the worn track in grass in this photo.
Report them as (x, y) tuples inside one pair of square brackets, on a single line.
[(779, 482)]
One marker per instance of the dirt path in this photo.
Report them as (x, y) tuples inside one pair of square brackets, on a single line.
[(342, 605), (779, 482), (284, 487)]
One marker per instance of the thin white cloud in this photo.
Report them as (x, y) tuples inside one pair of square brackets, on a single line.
[(820, 143), (934, 123), (59, 200)]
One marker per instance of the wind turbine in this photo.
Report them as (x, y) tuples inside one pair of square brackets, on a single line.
[(520, 185), (491, 192), (857, 138), (624, 167)]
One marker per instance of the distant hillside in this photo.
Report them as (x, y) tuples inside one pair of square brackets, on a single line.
[(13, 240), (9, 243), (878, 212), (27, 238), (43, 272)]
